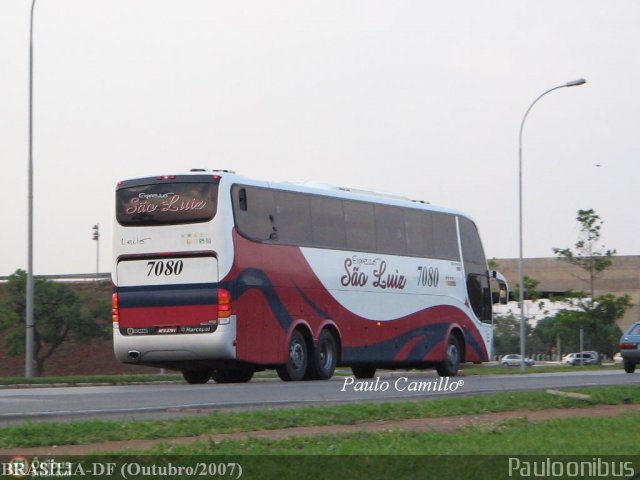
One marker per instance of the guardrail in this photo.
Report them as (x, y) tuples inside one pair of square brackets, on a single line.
[(70, 277)]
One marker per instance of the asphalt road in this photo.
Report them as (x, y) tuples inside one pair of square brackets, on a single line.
[(170, 400)]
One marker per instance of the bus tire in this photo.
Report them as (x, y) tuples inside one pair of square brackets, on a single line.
[(197, 377), (451, 365), (324, 358), (363, 372), (297, 361), (232, 376), (629, 367)]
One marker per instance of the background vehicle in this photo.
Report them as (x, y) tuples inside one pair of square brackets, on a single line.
[(514, 360), (582, 358), (219, 276), (630, 348)]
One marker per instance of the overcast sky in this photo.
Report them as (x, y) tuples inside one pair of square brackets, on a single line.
[(420, 98)]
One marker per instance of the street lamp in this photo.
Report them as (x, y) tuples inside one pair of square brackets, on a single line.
[(573, 83), (29, 319)]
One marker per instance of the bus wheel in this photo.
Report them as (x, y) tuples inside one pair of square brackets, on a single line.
[(197, 377), (363, 372), (449, 368), (325, 357), (296, 366), (232, 376), (629, 367)]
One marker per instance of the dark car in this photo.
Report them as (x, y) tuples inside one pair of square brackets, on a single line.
[(630, 348)]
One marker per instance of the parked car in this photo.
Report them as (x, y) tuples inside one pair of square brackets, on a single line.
[(581, 358), (630, 348), (514, 360)]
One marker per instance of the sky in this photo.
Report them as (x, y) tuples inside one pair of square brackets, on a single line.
[(419, 98)]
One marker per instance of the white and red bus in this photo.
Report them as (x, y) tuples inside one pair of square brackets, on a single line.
[(220, 276)]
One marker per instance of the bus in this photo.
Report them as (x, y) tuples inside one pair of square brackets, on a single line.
[(219, 276)]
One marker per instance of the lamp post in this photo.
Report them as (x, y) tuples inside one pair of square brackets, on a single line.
[(29, 318), (573, 83)]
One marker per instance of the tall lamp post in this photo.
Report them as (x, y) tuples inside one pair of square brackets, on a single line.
[(573, 83), (29, 318)]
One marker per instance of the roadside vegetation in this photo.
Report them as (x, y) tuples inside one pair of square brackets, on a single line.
[(616, 436), (80, 380), (86, 432)]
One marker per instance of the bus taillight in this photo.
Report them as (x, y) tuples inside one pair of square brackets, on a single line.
[(224, 306), (115, 309)]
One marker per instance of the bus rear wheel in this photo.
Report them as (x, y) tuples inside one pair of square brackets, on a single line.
[(232, 376), (325, 357), (297, 361), (451, 364), (363, 372), (197, 377)]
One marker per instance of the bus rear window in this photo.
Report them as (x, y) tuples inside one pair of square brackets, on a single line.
[(166, 203)]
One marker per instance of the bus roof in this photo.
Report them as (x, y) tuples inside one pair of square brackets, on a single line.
[(327, 189)]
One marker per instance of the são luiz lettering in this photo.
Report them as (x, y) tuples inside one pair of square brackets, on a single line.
[(401, 384)]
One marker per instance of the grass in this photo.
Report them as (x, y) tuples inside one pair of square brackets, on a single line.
[(41, 434), (616, 436), (480, 452), (72, 380)]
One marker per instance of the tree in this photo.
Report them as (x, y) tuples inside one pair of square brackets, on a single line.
[(597, 320), (506, 334), (588, 255), (530, 292), (60, 315), (596, 316)]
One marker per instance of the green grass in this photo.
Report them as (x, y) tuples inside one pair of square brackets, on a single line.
[(71, 380), (38, 434), (616, 436)]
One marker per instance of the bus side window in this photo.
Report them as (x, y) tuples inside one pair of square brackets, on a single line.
[(242, 199), (360, 225), (327, 222), (293, 218), (391, 234), (258, 221)]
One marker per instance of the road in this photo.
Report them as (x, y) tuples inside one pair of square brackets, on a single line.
[(171, 400)]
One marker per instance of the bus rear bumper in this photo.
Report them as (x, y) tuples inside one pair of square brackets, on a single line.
[(167, 349)]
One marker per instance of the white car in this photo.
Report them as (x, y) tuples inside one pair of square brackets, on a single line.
[(584, 358), (514, 360)]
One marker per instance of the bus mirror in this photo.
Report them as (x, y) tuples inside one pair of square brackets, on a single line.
[(503, 288)]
